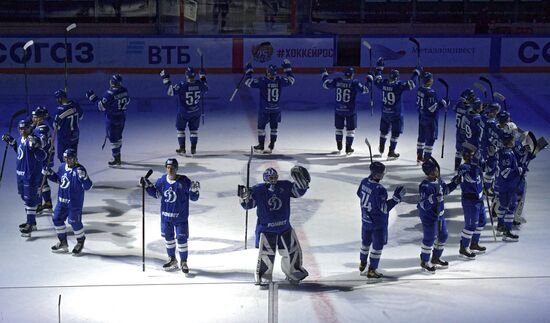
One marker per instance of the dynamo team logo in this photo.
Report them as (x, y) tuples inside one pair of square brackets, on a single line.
[(19, 153), (170, 196), (274, 203), (262, 52), (388, 53), (65, 182)]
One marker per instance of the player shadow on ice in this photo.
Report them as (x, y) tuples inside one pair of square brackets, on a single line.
[(306, 286), (113, 208)]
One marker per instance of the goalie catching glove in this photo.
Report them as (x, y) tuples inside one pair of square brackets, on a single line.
[(300, 176)]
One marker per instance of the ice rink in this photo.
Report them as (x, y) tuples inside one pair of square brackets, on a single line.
[(509, 283)]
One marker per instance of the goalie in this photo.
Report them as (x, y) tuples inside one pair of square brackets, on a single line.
[(273, 229)]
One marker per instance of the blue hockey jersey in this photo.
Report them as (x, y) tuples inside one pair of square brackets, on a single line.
[(29, 160), (375, 205), (114, 103), (175, 196), (66, 121), (190, 95), (391, 93), (428, 105), (345, 94), (71, 185), (431, 198), (471, 185), (270, 90)]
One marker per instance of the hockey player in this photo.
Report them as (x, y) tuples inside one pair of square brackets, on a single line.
[(472, 203), (507, 180), (73, 182), (42, 132), (428, 105), (375, 209), (190, 93), (270, 87), (175, 191), (489, 142), (471, 129), (30, 158), (465, 100), (114, 103), (392, 89), (273, 229), (431, 209), (66, 123), (345, 114)]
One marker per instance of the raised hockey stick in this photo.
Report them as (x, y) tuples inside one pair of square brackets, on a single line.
[(480, 87), (417, 44), (25, 47), (248, 188), (149, 172), (199, 51), (13, 117), (254, 53), (486, 80), (369, 47), (69, 28), (501, 98), (446, 85), (370, 149)]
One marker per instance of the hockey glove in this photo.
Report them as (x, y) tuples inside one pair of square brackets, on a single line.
[(81, 173), (90, 95), (46, 171), (8, 139), (443, 103), (202, 75), (286, 66), (399, 193), (244, 193), (34, 143), (195, 186), (457, 179), (380, 64), (145, 182), (300, 176), (165, 77)]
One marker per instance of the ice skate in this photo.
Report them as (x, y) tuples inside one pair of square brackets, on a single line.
[(349, 150), (439, 263), (184, 268), (44, 208), (362, 266), (171, 264), (373, 274), (392, 155), (115, 162), (193, 150), (61, 247), (27, 229), (509, 236), (419, 159), (339, 147), (181, 151), (259, 149), (475, 247), (466, 253), (381, 149), (427, 267), (78, 248), (500, 229)]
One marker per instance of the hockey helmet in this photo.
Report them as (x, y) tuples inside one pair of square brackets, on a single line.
[(349, 71), (468, 95), (468, 150), (171, 162), (24, 124), (270, 176), (507, 139), (377, 169), (394, 75), (190, 73), (116, 80), (60, 94), (493, 108), (477, 105), (69, 153), (427, 79), (503, 117), (40, 112), (429, 167), (271, 70)]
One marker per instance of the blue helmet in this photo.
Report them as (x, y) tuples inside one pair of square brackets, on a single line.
[(270, 176), (271, 70), (40, 112), (116, 80), (477, 105), (69, 153), (349, 71), (507, 138), (468, 95), (493, 108), (429, 167), (190, 72), (377, 169), (60, 94), (394, 75), (427, 78), (24, 123), (503, 117), (468, 149), (172, 162)]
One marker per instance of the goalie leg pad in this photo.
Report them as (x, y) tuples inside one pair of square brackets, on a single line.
[(291, 256), (266, 257)]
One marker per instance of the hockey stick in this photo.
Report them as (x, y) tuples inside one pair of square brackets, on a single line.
[(199, 51), (501, 98), (370, 150), (248, 188), (369, 47), (149, 172), (254, 53), (480, 87), (13, 117), (69, 28), (485, 192), (25, 47), (59, 309), (417, 44), (486, 80), (104, 142), (446, 85)]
